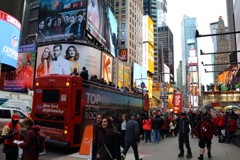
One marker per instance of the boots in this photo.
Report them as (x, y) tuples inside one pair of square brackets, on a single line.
[(189, 156), (180, 155), (209, 154), (201, 157)]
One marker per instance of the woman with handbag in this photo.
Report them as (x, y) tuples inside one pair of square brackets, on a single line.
[(110, 142)]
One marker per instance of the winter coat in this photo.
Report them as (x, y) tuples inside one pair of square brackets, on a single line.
[(216, 120), (205, 129), (172, 126), (84, 74), (164, 126), (221, 121), (183, 125), (29, 144), (132, 133), (157, 123), (232, 124), (147, 124)]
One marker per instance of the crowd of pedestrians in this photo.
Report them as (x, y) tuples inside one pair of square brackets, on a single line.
[(198, 124)]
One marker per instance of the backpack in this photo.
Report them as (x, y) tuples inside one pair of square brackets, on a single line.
[(40, 143)]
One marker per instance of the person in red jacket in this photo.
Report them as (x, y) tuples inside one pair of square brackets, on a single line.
[(147, 129), (204, 131), (231, 127), (216, 120), (221, 124)]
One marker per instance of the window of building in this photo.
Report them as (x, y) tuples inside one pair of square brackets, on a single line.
[(123, 25), (116, 11), (123, 10), (123, 33), (123, 17), (122, 41), (117, 4), (123, 3)]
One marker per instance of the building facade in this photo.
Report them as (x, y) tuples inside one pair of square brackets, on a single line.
[(165, 40), (189, 42), (129, 17), (111, 4), (214, 30)]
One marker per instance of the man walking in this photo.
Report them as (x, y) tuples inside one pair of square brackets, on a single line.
[(205, 130), (183, 130), (156, 126), (132, 137)]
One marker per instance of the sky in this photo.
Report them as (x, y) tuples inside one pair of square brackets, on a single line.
[(206, 12)]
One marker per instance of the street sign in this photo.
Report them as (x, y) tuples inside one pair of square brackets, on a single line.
[(163, 97), (142, 85)]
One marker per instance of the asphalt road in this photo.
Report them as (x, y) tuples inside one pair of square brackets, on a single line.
[(52, 152)]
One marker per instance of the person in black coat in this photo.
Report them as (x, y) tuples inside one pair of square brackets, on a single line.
[(110, 142), (156, 126), (132, 137)]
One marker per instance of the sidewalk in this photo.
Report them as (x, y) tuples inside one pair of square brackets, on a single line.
[(167, 149)]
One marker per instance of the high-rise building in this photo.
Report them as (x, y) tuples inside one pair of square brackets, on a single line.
[(111, 4), (129, 17), (189, 45), (223, 45), (179, 75), (157, 10), (214, 30), (165, 40)]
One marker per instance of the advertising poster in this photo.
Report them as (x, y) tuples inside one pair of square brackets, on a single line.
[(107, 67), (21, 79), (123, 54), (193, 68), (127, 76), (139, 75), (150, 87), (150, 58), (108, 104), (148, 30), (192, 52), (177, 102), (102, 25), (167, 75), (68, 58), (61, 19), (120, 74), (190, 40), (192, 61), (10, 32)]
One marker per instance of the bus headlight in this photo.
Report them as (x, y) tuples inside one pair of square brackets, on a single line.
[(67, 84), (65, 132), (37, 84)]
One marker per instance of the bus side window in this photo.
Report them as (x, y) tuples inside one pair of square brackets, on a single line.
[(78, 102)]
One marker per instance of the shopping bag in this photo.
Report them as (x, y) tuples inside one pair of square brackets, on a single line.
[(223, 132), (20, 152)]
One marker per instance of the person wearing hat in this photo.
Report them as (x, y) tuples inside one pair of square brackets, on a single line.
[(11, 132), (132, 137), (183, 123), (205, 129)]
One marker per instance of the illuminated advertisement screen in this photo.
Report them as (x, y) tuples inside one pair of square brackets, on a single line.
[(193, 68), (61, 19), (123, 54), (167, 75), (127, 76), (10, 32), (148, 30), (150, 58), (192, 61), (138, 73), (120, 74), (190, 40), (150, 86), (21, 79), (102, 25), (68, 58), (107, 67)]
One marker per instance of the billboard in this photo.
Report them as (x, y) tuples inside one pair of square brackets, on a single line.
[(102, 24), (177, 102), (107, 67), (61, 20), (139, 75), (148, 30), (167, 73), (64, 58), (190, 40), (21, 79), (10, 32), (145, 55), (127, 76), (123, 54), (150, 58), (192, 52), (150, 87), (120, 74), (192, 61), (194, 101), (193, 68), (194, 76)]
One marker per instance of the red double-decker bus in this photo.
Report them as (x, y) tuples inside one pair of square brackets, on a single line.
[(63, 107)]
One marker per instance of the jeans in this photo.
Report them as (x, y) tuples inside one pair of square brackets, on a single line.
[(184, 138), (156, 135), (147, 135), (134, 147)]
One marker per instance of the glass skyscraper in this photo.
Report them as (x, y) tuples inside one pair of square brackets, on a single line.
[(188, 29)]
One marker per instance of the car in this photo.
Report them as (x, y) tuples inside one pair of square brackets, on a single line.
[(6, 116)]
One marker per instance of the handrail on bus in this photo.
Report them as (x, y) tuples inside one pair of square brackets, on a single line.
[(107, 88)]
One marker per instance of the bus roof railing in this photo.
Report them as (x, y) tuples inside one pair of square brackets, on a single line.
[(104, 87)]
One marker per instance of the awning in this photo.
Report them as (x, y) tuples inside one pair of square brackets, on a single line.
[(175, 87)]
